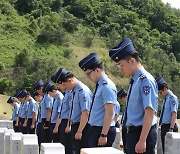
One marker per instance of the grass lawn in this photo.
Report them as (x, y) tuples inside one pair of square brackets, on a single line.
[(5, 109)]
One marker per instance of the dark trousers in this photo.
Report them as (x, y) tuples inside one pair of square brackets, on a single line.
[(39, 132), (95, 133), (22, 129), (65, 138), (55, 137), (29, 130), (164, 129), (46, 133), (16, 128), (83, 143), (133, 136), (124, 136)]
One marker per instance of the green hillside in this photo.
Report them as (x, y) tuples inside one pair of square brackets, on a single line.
[(39, 36)]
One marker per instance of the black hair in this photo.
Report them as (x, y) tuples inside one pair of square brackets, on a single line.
[(134, 55), (161, 87), (97, 65), (67, 76), (53, 87)]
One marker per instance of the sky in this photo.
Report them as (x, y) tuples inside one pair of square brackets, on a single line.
[(174, 3)]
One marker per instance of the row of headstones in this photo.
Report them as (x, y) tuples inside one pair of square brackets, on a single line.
[(172, 144), (18, 143)]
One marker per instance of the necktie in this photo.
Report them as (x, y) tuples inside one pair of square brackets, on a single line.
[(123, 115), (129, 93), (93, 100), (52, 107), (161, 117)]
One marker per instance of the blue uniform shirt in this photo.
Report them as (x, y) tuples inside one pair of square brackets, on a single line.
[(56, 105), (31, 107), (144, 94), (23, 109), (117, 109), (66, 101), (15, 112), (106, 94), (45, 104), (81, 102), (39, 111), (171, 105)]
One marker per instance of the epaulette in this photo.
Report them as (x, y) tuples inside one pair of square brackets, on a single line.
[(142, 76), (80, 88), (105, 82)]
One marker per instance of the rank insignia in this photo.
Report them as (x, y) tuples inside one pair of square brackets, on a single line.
[(146, 90)]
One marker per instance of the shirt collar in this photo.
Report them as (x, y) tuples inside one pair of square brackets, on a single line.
[(76, 88), (138, 73), (104, 77)]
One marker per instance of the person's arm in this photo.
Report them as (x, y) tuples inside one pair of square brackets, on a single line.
[(147, 122), (116, 118), (58, 121), (17, 120), (83, 122), (33, 120), (173, 120), (109, 111), (48, 116)]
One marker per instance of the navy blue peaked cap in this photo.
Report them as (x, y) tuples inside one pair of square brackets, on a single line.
[(38, 84), (119, 52), (17, 93), (160, 81), (89, 61), (11, 100), (59, 75), (122, 93), (47, 86), (23, 93)]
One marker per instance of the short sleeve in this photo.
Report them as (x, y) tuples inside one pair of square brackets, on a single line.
[(34, 107), (174, 104), (48, 101), (109, 95), (85, 100), (117, 108), (149, 94)]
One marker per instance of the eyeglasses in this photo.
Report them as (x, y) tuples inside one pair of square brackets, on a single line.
[(89, 73)]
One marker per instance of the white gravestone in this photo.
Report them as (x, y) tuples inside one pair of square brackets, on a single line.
[(116, 143), (103, 150), (30, 144), (7, 134), (172, 143), (15, 143), (52, 148)]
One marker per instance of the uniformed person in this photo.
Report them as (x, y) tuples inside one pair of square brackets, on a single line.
[(142, 101), (16, 106), (169, 109), (39, 128), (23, 111), (32, 107), (64, 110), (122, 95), (46, 108), (79, 110), (102, 125), (57, 103)]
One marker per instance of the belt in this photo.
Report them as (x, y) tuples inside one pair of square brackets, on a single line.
[(74, 123), (136, 128), (133, 128)]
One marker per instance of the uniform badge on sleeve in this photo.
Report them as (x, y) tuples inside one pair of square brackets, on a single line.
[(85, 99), (146, 90), (173, 102)]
